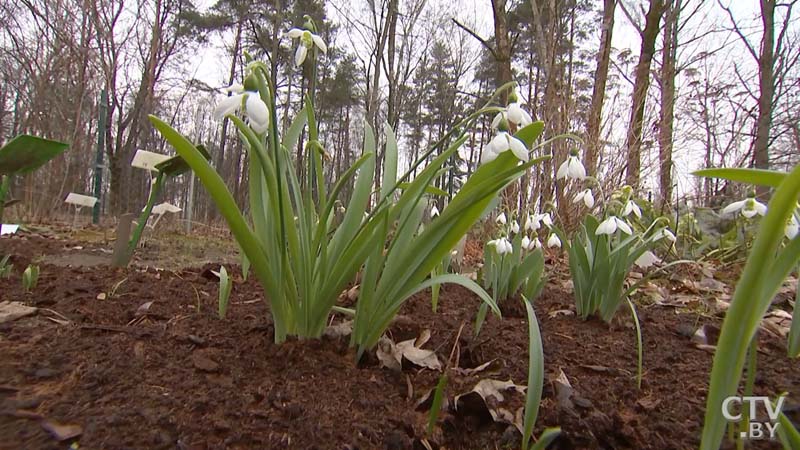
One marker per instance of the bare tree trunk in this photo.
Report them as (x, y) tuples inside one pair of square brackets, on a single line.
[(666, 114), (502, 47), (766, 84), (595, 119), (633, 141)]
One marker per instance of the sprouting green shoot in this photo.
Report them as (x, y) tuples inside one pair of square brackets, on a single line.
[(30, 278), (225, 286)]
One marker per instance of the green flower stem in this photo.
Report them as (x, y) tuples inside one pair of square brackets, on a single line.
[(155, 188)]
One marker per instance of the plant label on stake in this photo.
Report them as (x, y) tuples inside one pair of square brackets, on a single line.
[(79, 201)]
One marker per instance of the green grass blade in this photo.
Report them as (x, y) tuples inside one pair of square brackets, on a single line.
[(547, 437), (759, 177), (436, 404), (389, 162), (639, 345), (787, 433), (533, 395), (794, 331)]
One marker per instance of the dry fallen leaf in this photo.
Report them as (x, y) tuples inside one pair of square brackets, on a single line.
[(495, 397), (62, 432), (14, 310)]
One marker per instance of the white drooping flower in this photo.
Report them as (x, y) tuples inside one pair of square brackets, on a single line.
[(572, 168), (307, 41), (631, 207), (501, 219), (586, 197), (501, 143), (434, 211), (526, 243), (532, 222), (501, 245), (255, 108), (647, 259), (546, 219), (610, 226), (792, 227), (553, 241), (749, 207), (664, 233), (512, 114), (514, 227)]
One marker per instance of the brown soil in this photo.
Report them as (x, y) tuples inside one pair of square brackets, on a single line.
[(175, 376)]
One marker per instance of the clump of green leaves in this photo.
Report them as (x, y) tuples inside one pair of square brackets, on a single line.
[(30, 278), (301, 256), (769, 263)]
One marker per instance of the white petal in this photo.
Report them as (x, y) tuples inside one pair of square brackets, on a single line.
[(227, 105), (514, 227), (608, 226), (562, 170), (588, 199), (515, 113), (501, 219), (488, 155), (526, 242), (576, 170), (259, 127), (760, 208), (518, 149), (256, 109), (749, 213), (733, 207), (537, 243), (496, 121), (792, 228), (499, 143), (300, 55), (320, 44), (623, 226), (434, 211), (295, 33), (554, 241), (547, 220), (636, 211)]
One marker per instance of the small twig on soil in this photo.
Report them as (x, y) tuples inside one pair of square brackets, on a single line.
[(56, 313), (455, 346)]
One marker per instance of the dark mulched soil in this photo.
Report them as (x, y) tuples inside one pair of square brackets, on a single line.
[(178, 377)]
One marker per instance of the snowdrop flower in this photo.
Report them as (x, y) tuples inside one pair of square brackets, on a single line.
[(546, 219), (513, 114), (572, 168), (501, 245), (532, 222), (553, 241), (434, 211), (664, 233), (610, 226), (535, 243), (501, 219), (631, 207), (792, 228), (514, 227), (255, 108), (647, 259), (749, 207), (502, 142), (307, 42), (526, 242), (586, 197)]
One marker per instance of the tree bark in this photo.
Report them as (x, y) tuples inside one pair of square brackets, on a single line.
[(766, 84), (633, 141), (595, 119), (667, 112)]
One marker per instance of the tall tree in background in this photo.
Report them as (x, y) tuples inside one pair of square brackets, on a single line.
[(633, 140), (595, 119), (669, 54)]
